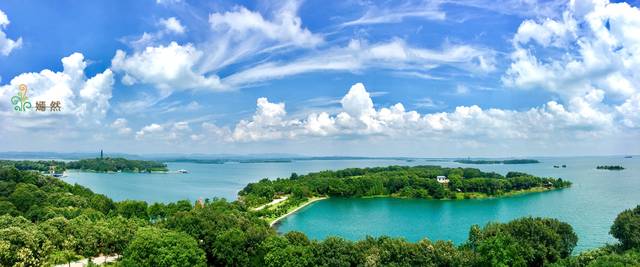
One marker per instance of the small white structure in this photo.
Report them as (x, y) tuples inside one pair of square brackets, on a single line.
[(442, 179)]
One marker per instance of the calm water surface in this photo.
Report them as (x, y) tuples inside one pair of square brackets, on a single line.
[(205, 180), (590, 205)]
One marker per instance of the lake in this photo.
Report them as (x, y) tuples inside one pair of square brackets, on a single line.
[(590, 205)]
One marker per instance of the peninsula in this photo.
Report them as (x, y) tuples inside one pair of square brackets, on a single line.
[(428, 182), (102, 164)]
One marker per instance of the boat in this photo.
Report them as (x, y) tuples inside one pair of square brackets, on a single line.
[(183, 171), (628, 157)]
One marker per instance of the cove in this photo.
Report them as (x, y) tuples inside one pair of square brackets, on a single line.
[(590, 206)]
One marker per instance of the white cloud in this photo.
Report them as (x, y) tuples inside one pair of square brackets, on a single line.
[(397, 13), (267, 123), (630, 111), (241, 35), (599, 48), (585, 115), (600, 52), (86, 99), (121, 126), (167, 67), (285, 25), (6, 44), (525, 8), (148, 130), (167, 2), (358, 55), (172, 25)]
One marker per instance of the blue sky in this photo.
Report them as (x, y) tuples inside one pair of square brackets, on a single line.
[(381, 78)]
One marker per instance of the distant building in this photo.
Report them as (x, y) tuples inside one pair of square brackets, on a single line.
[(442, 179)]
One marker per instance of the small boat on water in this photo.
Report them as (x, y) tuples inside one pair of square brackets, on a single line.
[(183, 171), (628, 157)]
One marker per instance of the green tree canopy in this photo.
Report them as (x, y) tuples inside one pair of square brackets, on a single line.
[(155, 247), (626, 228)]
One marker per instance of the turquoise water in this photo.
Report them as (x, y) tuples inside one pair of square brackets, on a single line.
[(590, 205)]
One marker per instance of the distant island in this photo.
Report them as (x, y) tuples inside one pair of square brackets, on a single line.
[(508, 161), (276, 198), (103, 164), (610, 167)]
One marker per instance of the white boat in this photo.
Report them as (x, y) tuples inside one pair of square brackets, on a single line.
[(183, 171)]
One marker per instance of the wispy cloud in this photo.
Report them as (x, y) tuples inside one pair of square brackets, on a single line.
[(376, 14)]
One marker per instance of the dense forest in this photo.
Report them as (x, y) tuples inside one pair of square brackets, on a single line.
[(400, 181), (508, 161), (116, 164), (610, 167), (98, 165), (45, 221)]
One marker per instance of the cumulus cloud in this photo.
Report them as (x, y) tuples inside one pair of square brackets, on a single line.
[(121, 126), (599, 52), (584, 115), (166, 67), (172, 25), (82, 98), (6, 44), (285, 25), (241, 35), (148, 130)]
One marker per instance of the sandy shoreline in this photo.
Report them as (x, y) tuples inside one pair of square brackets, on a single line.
[(296, 209)]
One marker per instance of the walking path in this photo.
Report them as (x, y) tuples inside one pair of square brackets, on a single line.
[(97, 260), (275, 201), (314, 199)]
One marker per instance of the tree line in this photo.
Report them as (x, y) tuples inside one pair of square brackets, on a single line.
[(402, 181), (44, 221), (97, 164), (508, 161)]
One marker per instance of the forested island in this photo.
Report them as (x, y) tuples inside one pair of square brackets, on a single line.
[(429, 182), (45, 221), (508, 161), (106, 164), (610, 167)]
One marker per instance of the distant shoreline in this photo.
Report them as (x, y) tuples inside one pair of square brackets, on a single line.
[(508, 161)]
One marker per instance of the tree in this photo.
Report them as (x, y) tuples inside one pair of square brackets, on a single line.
[(334, 251), (7, 207), (23, 246), (626, 228), (280, 252), (26, 195), (529, 241), (132, 208), (160, 247)]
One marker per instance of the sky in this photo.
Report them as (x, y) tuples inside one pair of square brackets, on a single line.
[(443, 78)]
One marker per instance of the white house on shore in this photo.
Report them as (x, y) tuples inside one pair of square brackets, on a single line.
[(442, 179)]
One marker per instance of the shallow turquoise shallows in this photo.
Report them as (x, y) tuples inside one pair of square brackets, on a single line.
[(590, 205)]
